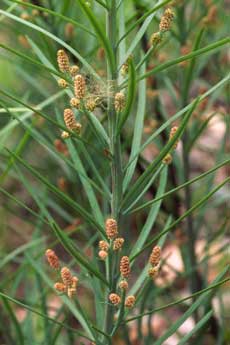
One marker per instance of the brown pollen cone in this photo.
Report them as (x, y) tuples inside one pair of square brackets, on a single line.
[(71, 122), (118, 243), (103, 245), (130, 301), (166, 20), (114, 298), (123, 285), (63, 61), (125, 266), (52, 259), (102, 254), (152, 272), (79, 86), (172, 134), (66, 276), (111, 228), (60, 287), (155, 256)]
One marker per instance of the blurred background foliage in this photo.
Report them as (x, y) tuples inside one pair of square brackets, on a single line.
[(24, 232)]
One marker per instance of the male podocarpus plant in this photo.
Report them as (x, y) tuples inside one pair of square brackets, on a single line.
[(116, 99), (114, 258), (117, 300)]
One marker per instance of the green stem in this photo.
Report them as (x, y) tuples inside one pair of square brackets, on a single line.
[(145, 294), (194, 279), (147, 55), (116, 167), (121, 313), (102, 4)]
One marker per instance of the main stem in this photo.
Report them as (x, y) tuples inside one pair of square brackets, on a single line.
[(190, 231), (116, 167)]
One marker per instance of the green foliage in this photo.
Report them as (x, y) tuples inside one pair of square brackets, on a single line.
[(59, 186)]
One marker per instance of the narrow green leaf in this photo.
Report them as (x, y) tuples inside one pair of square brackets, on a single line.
[(55, 14), (6, 130), (42, 140), (150, 13), (190, 70), (96, 171), (55, 334), (189, 211), (62, 195), (14, 320), (144, 273), (133, 200), (130, 96), (99, 31), (97, 128), (149, 203), (37, 111), (64, 6), (55, 155), (87, 186), (195, 134), (199, 325), (56, 39), (100, 2), (198, 293), (98, 298), (31, 60), (31, 309), (140, 20), (182, 58), (9, 9), (19, 250), (189, 312), (19, 149), (37, 197), (139, 185), (20, 203), (121, 31), (147, 227), (138, 128), (181, 112)]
